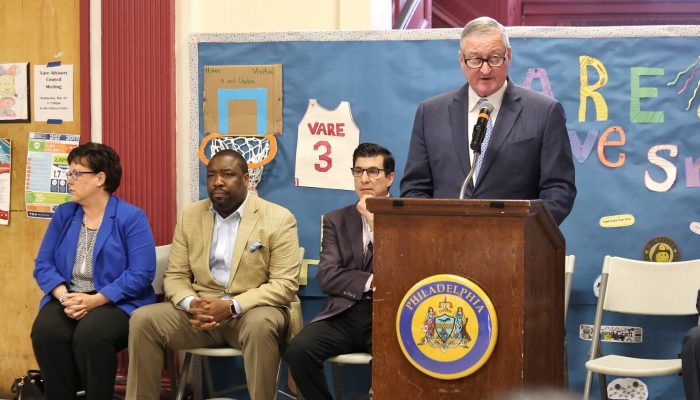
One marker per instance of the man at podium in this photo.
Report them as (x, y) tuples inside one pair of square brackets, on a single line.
[(523, 141), (344, 325)]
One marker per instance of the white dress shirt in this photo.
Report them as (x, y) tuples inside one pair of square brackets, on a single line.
[(473, 111)]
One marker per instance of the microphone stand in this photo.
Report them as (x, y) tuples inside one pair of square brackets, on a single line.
[(471, 173)]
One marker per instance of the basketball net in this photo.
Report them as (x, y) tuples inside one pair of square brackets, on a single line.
[(258, 150)]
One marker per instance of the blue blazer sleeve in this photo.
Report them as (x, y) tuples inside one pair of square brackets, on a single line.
[(47, 273)]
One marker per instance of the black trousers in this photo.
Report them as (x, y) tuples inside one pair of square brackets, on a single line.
[(347, 332), (76, 355), (690, 356)]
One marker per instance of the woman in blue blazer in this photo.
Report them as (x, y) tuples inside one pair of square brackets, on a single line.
[(95, 266)]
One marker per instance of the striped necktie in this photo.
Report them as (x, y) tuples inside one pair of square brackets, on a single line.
[(368, 256)]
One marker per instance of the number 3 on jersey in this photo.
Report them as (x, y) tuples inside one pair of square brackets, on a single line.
[(326, 162)]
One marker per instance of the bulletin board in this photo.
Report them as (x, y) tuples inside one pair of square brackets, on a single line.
[(58, 40), (633, 115)]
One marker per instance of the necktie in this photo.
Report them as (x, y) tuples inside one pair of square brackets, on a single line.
[(368, 254), (484, 144)]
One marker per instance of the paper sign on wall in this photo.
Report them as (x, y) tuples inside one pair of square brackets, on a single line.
[(46, 183), (5, 173), (53, 92)]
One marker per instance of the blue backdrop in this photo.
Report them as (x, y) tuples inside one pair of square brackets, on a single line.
[(593, 72)]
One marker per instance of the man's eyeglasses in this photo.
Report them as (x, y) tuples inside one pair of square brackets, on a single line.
[(477, 62), (76, 174), (372, 172)]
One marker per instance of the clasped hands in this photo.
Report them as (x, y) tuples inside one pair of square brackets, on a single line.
[(77, 305), (206, 313)]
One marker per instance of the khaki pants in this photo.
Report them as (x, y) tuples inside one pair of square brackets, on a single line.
[(257, 333)]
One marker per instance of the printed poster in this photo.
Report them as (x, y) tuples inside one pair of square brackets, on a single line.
[(14, 103), (5, 172), (53, 92), (46, 184)]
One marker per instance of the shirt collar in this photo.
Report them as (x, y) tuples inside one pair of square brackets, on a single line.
[(496, 98), (238, 211)]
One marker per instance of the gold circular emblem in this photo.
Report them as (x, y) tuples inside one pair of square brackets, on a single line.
[(661, 249), (447, 326)]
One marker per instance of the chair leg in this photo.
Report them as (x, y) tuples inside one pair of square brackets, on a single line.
[(603, 382), (172, 374), (336, 381), (288, 396), (198, 378), (206, 369), (281, 392), (587, 385), (183, 376), (566, 366)]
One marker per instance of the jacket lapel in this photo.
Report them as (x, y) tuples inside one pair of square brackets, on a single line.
[(245, 229), (72, 235), (353, 231), (507, 116), (105, 227), (206, 233), (458, 122)]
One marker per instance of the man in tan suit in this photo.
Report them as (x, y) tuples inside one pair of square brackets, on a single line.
[(231, 279)]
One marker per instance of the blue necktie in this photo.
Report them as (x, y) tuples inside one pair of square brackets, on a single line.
[(484, 144)]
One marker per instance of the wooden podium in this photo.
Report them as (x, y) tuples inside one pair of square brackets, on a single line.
[(512, 249)]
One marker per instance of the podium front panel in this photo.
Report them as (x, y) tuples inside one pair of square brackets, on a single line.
[(515, 254)]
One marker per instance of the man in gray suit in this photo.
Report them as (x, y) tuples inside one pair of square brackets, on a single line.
[(526, 152), (344, 325)]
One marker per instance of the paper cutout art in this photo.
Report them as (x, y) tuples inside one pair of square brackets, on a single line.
[(627, 389), (616, 221), (243, 99), (14, 92), (326, 141)]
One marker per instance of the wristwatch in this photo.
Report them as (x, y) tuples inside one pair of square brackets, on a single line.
[(234, 314)]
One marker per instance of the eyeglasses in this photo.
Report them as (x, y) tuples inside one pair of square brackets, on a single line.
[(76, 174), (372, 172), (477, 62)]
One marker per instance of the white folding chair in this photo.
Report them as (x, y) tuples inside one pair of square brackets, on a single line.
[(345, 359), (205, 353), (569, 266), (162, 255), (643, 288)]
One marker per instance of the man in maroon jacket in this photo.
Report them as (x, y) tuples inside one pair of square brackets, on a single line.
[(344, 325)]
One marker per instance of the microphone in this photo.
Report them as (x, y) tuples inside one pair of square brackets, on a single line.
[(480, 128), (477, 138)]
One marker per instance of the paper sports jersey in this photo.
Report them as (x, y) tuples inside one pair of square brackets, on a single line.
[(325, 142)]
